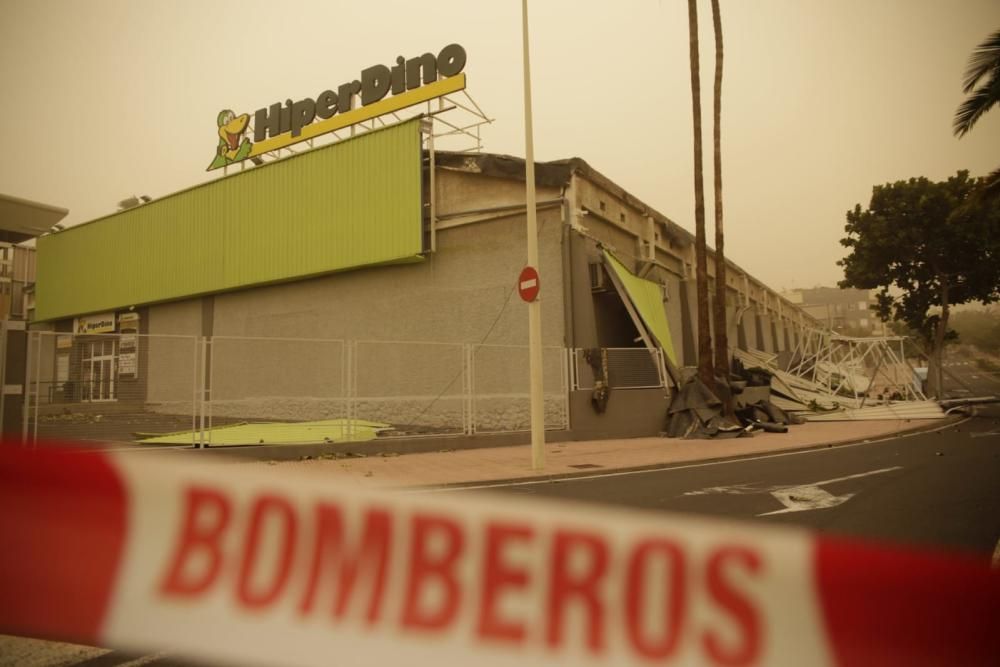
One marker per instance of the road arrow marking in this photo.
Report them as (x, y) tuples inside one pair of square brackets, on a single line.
[(798, 498), (805, 498), (812, 497)]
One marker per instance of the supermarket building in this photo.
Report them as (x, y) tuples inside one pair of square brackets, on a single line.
[(375, 278)]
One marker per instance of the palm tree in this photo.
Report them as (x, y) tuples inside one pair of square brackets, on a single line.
[(982, 85), (984, 66), (721, 338), (705, 371)]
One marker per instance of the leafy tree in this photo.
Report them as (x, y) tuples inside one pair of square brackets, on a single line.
[(705, 370), (925, 245), (982, 85), (719, 310), (922, 339), (980, 328)]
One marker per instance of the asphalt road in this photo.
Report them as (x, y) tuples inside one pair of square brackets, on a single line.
[(938, 490), (966, 378)]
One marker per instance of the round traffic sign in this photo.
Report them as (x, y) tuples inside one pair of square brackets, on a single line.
[(527, 284)]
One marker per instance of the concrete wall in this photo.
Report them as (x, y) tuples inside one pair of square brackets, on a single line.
[(169, 361), (454, 295), (464, 293), (675, 315), (459, 295), (582, 251), (749, 324), (630, 413)]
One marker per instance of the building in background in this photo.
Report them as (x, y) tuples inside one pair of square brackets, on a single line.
[(17, 281), (21, 220), (846, 311)]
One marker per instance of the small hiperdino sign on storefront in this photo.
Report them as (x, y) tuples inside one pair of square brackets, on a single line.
[(94, 324)]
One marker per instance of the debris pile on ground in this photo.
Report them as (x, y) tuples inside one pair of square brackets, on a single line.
[(827, 377), (696, 412), (827, 392)]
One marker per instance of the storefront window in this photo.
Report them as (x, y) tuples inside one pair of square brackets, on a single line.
[(98, 370)]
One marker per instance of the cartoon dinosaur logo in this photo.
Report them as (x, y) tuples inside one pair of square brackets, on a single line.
[(230, 149)]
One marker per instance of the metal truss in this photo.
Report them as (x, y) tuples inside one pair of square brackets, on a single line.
[(456, 119), (855, 367)]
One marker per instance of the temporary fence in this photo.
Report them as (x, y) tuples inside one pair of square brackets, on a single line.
[(96, 387), (499, 376), (245, 565), (255, 380), (239, 390)]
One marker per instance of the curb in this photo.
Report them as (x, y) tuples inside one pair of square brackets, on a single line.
[(935, 424)]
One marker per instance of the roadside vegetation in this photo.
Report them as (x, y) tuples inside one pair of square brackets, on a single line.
[(928, 246)]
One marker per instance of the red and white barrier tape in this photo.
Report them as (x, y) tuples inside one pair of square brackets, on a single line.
[(256, 565)]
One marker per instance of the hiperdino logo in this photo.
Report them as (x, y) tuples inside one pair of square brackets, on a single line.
[(281, 124)]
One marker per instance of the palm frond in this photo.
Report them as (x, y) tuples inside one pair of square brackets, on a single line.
[(974, 106), (986, 190), (985, 59), (990, 188)]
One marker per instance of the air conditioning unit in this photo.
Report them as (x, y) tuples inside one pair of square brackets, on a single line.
[(599, 281)]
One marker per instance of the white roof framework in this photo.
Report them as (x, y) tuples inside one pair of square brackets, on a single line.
[(862, 368), (455, 124)]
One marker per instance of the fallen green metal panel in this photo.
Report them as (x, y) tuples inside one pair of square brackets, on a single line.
[(647, 297), (276, 433), (351, 204)]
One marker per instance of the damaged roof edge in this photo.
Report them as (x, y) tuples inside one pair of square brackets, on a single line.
[(557, 173)]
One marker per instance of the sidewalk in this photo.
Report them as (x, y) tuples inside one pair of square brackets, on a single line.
[(581, 458)]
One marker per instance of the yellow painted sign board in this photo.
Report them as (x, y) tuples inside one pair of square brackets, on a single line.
[(411, 82)]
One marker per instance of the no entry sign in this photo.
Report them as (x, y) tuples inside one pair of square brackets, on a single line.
[(527, 284)]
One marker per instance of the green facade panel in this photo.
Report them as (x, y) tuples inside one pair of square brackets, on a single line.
[(348, 205), (647, 297)]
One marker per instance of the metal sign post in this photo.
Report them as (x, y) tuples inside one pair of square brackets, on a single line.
[(534, 307)]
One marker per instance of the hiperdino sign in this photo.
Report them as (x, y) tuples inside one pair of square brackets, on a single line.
[(282, 124)]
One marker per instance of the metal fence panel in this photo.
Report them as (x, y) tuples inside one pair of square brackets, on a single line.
[(501, 400), (419, 388), (627, 367), (255, 380), (110, 388), (132, 389)]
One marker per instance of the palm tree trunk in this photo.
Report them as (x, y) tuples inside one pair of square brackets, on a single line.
[(721, 337), (705, 371)]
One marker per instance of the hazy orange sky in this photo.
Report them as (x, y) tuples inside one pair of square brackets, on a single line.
[(107, 98)]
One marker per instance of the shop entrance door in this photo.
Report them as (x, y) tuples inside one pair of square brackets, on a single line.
[(99, 371)]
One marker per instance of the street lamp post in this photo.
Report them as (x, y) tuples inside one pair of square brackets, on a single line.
[(534, 307)]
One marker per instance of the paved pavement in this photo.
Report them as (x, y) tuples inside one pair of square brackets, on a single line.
[(567, 458)]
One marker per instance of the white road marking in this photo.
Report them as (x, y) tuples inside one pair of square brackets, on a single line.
[(984, 434), (805, 498), (795, 498), (746, 489)]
